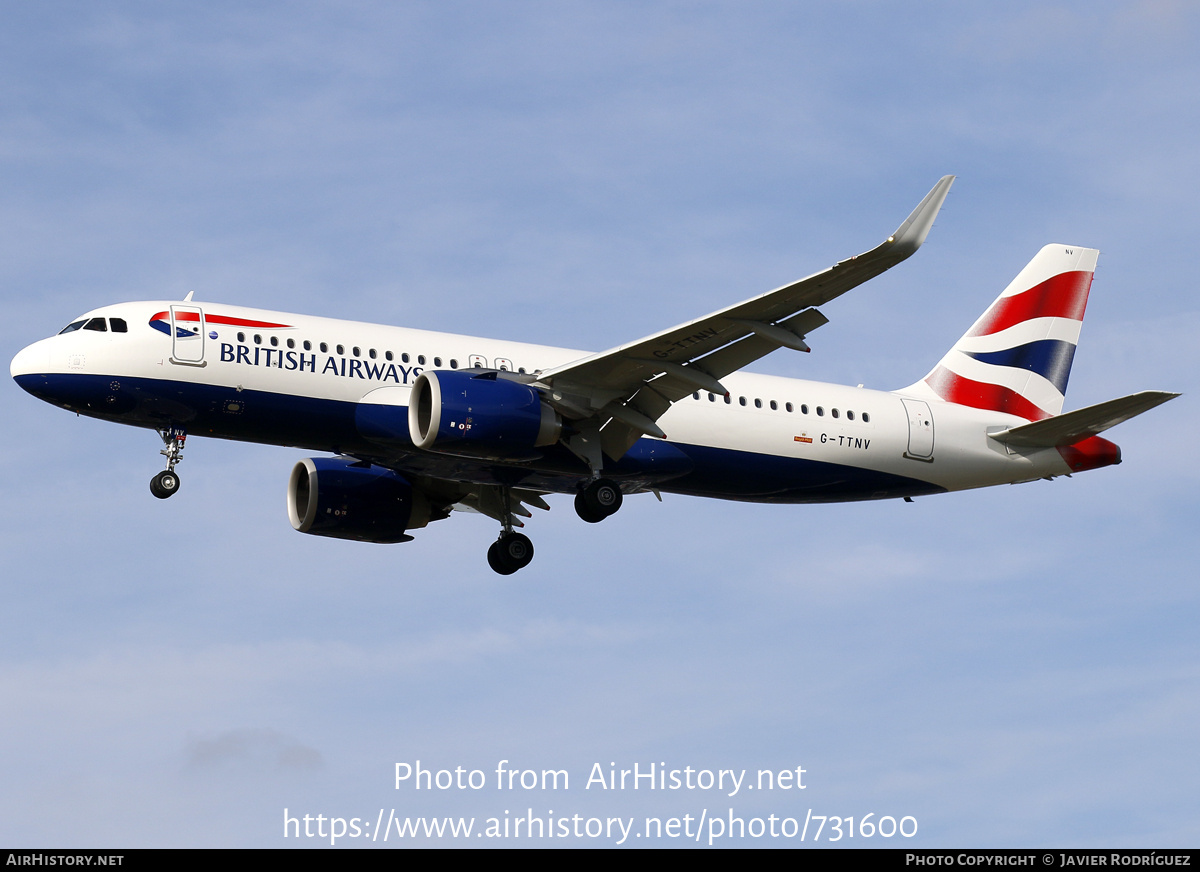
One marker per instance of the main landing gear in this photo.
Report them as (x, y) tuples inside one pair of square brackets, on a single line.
[(513, 550), (597, 500), (166, 483)]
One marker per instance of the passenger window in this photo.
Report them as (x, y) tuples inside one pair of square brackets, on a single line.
[(404, 357), (307, 345), (437, 361), (774, 406), (241, 337), (820, 411), (804, 408), (118, 325), (742, 400), (850, 416), (341, 349), (421, 359), (388, 355), (789, 407), (275, 341), (324, 347), (454, 364), (96, 324), (257, 339), (356, 351), (291, 343), (834, 412), (866, 418), (371, 354)]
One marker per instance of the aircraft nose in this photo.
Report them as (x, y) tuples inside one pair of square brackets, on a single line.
[(29, 364)]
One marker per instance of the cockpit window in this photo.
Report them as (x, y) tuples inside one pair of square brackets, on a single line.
[(100, 325)]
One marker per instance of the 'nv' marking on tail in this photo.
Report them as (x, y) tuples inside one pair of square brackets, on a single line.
[(1017, 357)]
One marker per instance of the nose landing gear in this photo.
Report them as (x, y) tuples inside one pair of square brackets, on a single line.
[(166, 483)]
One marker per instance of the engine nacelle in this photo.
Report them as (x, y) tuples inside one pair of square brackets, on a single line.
[(345, 499), (479, 415)]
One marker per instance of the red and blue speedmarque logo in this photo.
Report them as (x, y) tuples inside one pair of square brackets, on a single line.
[(161, 321)]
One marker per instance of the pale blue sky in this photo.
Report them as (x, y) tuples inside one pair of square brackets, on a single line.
[(1016, 666)]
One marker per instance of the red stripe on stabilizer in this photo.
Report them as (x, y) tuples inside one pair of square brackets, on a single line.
[(1061, 296), (219, 319), (953, 388), (1090, 453)]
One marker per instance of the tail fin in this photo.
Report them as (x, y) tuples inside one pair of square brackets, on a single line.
[(1017, 357)]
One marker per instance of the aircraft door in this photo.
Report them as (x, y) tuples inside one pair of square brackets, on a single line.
[(920, 430), (187, 332)]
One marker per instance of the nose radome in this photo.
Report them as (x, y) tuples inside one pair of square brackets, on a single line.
[(31, 360)]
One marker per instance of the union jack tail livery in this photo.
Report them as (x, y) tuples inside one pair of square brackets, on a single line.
[(1017, 357)]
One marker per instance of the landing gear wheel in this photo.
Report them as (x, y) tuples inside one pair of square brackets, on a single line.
[(496, 561), (509, 553), (165, 484), (581, 509), (598, 500)]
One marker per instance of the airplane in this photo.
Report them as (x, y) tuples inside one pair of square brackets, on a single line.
[(421, 423)]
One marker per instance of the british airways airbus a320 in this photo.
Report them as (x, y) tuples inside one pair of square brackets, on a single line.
[(421, 423)]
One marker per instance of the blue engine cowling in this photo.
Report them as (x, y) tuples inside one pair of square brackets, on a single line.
[(346, 499), (479, 415)]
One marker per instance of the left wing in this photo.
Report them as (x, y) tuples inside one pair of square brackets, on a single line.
[(616, 396)]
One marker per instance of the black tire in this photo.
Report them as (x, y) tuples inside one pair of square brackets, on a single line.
[(497, 562), (165, 484), (582, 509), (602, 497), (510, 553), (517, 549)]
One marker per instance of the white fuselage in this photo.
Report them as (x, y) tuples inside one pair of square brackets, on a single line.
[(282, 378)]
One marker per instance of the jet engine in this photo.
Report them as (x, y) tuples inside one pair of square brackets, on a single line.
[(480, 415), (347, 499)]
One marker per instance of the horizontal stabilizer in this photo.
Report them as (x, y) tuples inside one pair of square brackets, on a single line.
[(1074, 426)]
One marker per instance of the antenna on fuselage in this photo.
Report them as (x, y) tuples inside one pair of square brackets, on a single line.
[(188, 298)]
